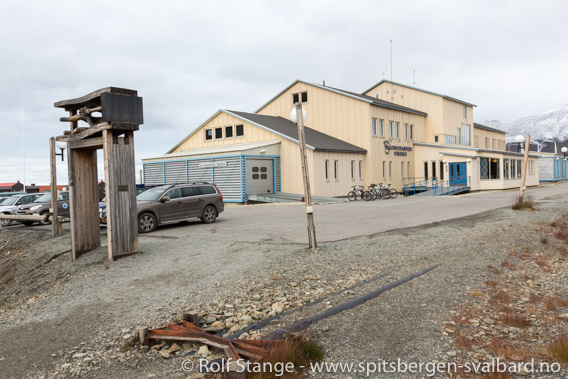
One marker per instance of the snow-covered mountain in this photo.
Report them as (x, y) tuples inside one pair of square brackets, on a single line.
[(549, 126)]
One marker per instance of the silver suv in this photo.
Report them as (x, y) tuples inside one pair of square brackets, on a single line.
[(178, 202), (10, 205)]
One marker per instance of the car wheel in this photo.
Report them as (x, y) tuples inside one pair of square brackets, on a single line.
[(42, 222), (6, 222), (209, 215), (146, 223)]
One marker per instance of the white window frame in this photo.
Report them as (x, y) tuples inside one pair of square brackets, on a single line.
[(326, 170), (336, 170), (381, 128), (391, 129), (374, 127)]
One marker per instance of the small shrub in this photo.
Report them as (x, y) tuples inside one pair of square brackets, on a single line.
[(491, 283), (554, 302), (494, 270), (528, 202), (559, 349), (511, 266), (501, 297), (544, 241), (516, 320)]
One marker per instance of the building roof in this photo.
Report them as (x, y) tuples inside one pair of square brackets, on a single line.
[(421, 90), (241, 148), (8, 184), (483, 127), (315, 140), (353, 95)]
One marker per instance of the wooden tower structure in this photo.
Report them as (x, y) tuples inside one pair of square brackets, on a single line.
[(112, 116)]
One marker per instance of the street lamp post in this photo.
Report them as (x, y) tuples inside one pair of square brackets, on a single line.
[(298, 115), (564, 150), (519, 140), (56, 225)]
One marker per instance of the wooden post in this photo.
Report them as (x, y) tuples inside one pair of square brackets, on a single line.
[(524, 173), (55, 223), (120, 188), (305, 174)]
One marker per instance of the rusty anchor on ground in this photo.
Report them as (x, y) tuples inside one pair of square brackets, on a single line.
[(253, 350)]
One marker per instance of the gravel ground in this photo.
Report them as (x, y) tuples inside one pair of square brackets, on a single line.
[(68, 319)]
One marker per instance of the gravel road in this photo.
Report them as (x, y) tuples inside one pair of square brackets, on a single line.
[(54, 309)]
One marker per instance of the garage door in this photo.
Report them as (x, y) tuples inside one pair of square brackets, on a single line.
[(260, 176)]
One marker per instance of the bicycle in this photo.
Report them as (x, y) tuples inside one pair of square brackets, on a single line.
[(358, 193)]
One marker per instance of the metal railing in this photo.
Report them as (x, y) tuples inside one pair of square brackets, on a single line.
[(447, 187), (418, 186)]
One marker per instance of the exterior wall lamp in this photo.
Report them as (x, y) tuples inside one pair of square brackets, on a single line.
[(61, 146), (564, 150)]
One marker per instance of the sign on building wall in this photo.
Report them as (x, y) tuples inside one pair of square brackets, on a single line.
[(213, 164), (398, 150)]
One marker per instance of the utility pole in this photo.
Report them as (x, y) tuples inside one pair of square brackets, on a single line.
[(55, 224), (524, 173), (307, 191)]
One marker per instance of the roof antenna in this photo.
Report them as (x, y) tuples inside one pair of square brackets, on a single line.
[(324, 83)]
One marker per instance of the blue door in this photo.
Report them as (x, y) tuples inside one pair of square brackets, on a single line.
[(458, 173)]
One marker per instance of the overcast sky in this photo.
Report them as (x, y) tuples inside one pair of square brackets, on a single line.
[(187, 59)]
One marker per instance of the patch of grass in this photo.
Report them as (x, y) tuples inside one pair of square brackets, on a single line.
[(563, 251), (554, 302), (542, 260), (515, 320), (491, 283), (501, 297), (297, 349), (527, 203), (494, 270), (505, 350), (509, 265), (558, 348), (9, 279), (562, 234), (7, 269), (544, 241)]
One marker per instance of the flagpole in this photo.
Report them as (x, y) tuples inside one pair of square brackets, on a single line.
[(23, 137)]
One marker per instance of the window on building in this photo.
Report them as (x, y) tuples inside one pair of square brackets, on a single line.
[(391, 129), (466, 134), (239, 130), (475, 141), (505, 169), (441, 170), (402, 170), (411, 131), (458, 136), (397, 131), (519, 168), (425, 170), (229, 131), (450, 139), (360, 169), (381, 128), (408, 169), (513, 169), (390, 169), (327, 169), (433, 169), (435, 138), (464, 111), (335, 169), (218, 133), (297, 97), (384, 169), (353, 170), (374, 127), (531, 167), (493, 144), (208, 134), (405, 131), (487, 142), (489, 168)]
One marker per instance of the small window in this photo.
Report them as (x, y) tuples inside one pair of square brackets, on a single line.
[(384, 169), (263, 169), (464, 111), (263, 176), (391, 127), (255, 176), (405, 131), (218, 133), (402, 169), (360, 169), (207, 190), (335, 168), (295, 98), (229, 131), (374, 127), (208, 134), (435, 138), (255, 169), (397, 129), (381, 128), (326, 169), (304, 97), (240, 130), (352, 169), (390, 169), (411, 131)]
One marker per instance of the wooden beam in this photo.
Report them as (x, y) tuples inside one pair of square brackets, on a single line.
[(55, 226), (93, 143)]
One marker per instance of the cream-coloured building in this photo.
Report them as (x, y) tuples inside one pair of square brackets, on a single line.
[(392, 134)]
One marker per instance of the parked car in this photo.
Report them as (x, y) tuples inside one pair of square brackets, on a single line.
[(102, 204), (10, 205), (178, 202), (42, 205)]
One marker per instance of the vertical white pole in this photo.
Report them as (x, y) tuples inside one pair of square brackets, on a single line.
[(23, 139)]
